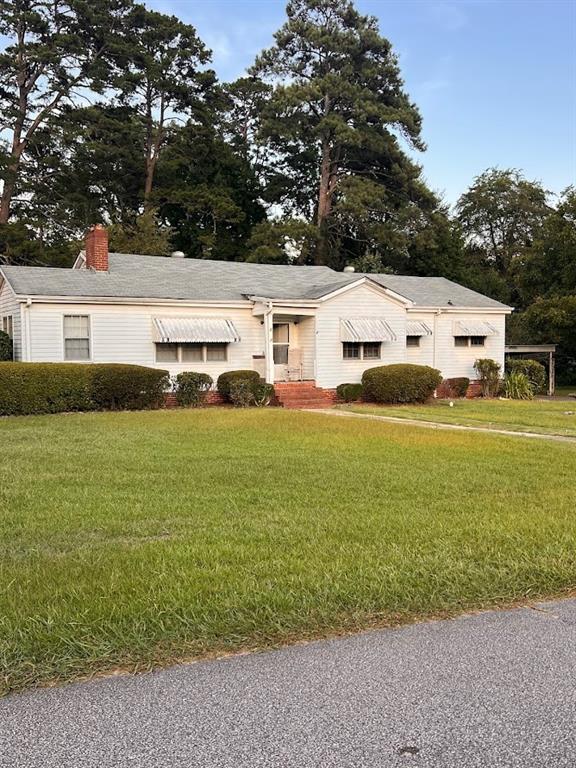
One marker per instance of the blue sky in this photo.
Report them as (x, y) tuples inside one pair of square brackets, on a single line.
[(495, 80)]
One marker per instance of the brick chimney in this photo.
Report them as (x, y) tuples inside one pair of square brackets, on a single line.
[(97, 249)]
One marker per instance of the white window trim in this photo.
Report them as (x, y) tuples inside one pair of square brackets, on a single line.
[(8, 325), (89, 358), (361, 356), (180, 361)]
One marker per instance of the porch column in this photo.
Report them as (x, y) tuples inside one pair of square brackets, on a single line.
[(268, 345), (552, 374)]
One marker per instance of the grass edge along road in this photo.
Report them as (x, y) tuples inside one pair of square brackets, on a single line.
[(132, 540)]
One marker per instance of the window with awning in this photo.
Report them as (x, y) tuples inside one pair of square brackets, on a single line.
[(365, 329), (465, 328), (194, 330)]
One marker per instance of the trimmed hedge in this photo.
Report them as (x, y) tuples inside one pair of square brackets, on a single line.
[(225, 380), (192, 388), (6, 347), (401, 383), (349, 392), (33, 388)]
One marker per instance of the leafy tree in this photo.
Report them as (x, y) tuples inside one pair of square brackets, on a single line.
[(161, 77), (144, 235), (331, 124), (55, 49), (207, 193), (550, 267), (283, 241), (501, 216)]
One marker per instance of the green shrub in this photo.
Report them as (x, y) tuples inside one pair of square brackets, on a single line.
[(349, 392), (119, 387), (489, 375), (262, 394), (517, 386), (241, 393), (458, 387), (192, 388), (6, 347), (30, 388), (401, 383), (532, 369), (226, 379)]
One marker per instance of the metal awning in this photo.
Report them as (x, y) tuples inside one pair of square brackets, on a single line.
[(464, 328), (190, 330), (417, 328), (365, 329)]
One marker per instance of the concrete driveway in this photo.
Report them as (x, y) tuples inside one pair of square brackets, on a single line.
[(488, 690)]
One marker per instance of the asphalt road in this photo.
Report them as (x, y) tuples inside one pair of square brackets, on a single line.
[(494, 689)]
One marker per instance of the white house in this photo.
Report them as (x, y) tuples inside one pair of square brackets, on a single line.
[(288, 322)]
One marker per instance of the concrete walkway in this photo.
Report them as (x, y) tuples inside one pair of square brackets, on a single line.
[(440, 425), (491, 690)]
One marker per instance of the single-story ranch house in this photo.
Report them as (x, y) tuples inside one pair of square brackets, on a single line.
[(288, 322)]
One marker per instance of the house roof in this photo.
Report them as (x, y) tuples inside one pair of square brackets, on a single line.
[(133, 276)]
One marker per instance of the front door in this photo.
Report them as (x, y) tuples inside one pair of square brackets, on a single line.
[(281, 344)]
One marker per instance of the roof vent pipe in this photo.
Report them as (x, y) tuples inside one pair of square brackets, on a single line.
[(178, 255), (349, 268)]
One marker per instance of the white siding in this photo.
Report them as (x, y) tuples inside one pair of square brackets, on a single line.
[(364, 301), (424, 354), (306, 342), (459, 361), (123, 334), (10, 306)]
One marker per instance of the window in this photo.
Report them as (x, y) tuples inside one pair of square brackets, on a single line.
[(351, 350), (412, 341), (280, 342), (371, 350), (469, 341), (215, 352), (354, 350), (167, 353), (191, 353), (7, 325), (76, 337)]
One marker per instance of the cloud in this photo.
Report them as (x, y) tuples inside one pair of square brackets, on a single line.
[(449, 15)]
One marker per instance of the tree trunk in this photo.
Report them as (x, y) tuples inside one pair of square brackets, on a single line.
[(11, 175)]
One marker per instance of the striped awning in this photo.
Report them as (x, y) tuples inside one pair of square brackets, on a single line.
[(365, 329), (190, 330), (464, 328), (417, 328)]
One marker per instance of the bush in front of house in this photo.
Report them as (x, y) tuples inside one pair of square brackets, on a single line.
[(400, 383), (120, 387), (6, 348), (517, 386), (488, 371), (262, 394), (192, 388), (349, 393), (33, 388), (458, 386), (225, 380), (532, 369), (246, 392)]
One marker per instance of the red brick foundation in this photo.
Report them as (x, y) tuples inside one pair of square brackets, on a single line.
[(445, 391), (213, 398)]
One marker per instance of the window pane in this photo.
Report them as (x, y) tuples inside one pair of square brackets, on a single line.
[(216, 352), (76, 327), (7, 325), (280, 333), (477, 341), (372, 350), (281, 354), (351, 350), (412, 341), (167, 353), (192, 353), (460, 341), (76, 349)]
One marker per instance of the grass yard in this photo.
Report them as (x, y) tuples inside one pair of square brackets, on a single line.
[(130, 540), (543, 416)]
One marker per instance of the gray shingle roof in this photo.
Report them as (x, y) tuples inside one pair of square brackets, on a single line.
[(153, 277)]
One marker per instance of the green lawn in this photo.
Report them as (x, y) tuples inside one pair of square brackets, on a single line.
[(128, 540), (543, 416)]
